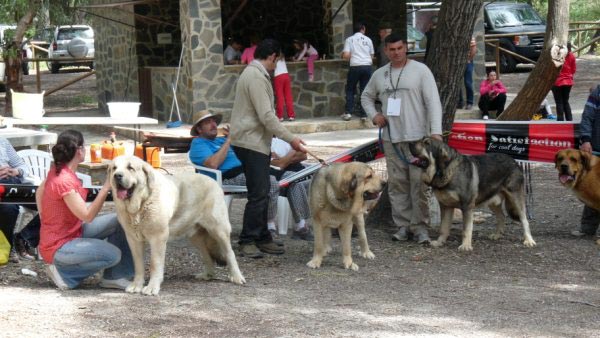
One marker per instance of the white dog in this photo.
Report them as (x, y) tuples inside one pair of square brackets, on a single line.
[(154, 208)]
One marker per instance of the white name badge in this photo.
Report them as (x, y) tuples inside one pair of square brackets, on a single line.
[(393, 106)]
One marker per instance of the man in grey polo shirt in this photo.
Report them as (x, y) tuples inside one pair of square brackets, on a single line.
[(358, 49)]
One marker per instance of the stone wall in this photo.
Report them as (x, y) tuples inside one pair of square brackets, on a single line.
[(116, 60)]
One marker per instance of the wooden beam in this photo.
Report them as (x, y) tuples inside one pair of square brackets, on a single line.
[(119, 4)]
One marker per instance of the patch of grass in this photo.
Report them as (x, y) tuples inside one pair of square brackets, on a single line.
[(83, 100)]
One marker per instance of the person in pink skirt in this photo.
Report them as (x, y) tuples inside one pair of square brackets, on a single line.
[(305, 51), (283, 90)]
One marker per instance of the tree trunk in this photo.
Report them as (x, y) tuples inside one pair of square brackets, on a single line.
[(13, 57), (447, 60), (544, 74), (450, 48), (592, 49)]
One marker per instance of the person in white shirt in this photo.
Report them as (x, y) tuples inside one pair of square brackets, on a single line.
[(358, 49)]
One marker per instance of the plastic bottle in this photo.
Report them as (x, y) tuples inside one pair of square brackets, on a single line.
[(95, 153)]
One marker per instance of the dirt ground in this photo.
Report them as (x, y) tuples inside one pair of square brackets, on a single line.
[(500, 289)]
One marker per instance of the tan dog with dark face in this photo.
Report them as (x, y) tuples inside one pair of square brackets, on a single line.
[(580, 172), (339, 196), (154, 208)]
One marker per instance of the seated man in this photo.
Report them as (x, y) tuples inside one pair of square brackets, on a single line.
[(214, 152), (288, 161), (12, 171)]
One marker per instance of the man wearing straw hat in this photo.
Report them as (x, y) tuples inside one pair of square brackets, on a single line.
[(253, 124), (210, 150)]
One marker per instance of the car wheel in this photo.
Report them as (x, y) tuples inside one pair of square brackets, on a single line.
[(507, 63), (54, 67)]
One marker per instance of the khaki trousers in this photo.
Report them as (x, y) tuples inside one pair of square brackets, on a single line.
[(408, 195)]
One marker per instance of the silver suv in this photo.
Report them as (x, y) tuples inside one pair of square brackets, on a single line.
[(72, 42)]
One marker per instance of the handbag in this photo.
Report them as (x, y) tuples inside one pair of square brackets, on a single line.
[(4, 249)]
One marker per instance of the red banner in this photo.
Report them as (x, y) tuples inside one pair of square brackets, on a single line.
[(535, 141)]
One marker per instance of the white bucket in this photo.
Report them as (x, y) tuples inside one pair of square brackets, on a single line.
[(123, 110), (27, 105)]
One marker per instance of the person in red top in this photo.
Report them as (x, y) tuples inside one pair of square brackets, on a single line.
[(492, 95), (71, 236), (562, 87)]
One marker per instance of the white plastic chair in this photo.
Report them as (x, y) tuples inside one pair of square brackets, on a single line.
[(39, 163), (284, 213)]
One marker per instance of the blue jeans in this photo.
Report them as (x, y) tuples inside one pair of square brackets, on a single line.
[(83, 257), (356, 75), (469, 82)]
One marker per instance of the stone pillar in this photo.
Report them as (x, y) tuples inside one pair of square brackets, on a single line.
[(341, 26)]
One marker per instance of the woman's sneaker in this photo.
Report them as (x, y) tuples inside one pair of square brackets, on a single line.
[(55, 276), (121, 283)]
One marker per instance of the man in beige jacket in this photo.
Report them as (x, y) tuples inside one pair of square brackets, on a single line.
[(253, 124)]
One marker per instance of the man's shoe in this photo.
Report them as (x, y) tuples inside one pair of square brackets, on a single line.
[(56, 277), (270, 248), (13, 256), (24, 249), (363, 119), (485, 117), (121, 283), (346, 117), (578, 233), (292, 119), (551, 117), (303, 234), (469, 107), (400, 235), (250, 251), (275, 236)]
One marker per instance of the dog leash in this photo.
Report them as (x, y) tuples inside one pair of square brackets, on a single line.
[(321, 161), (398, 153)]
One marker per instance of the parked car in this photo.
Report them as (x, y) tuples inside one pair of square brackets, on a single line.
[(414, 38), (518, 19), (70, 43)]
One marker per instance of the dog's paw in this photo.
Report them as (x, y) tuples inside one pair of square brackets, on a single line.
[(314, 263), (530, 243), (352, 266), (206, 275), (134, 287), (237, 279), (349, 264), (495, 236), (367, 255), (152, 289), (437, 243), (465, 247)]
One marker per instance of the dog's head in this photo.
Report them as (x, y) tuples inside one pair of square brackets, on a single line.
[(354, 182), (571, 164), (130, 179), (431, 155)]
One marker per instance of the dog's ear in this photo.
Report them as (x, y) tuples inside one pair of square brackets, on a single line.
[(149, 171), (556, 159), (352, 185), (586, 159)]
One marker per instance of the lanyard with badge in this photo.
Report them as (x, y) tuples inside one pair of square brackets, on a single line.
[(393, 103)]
